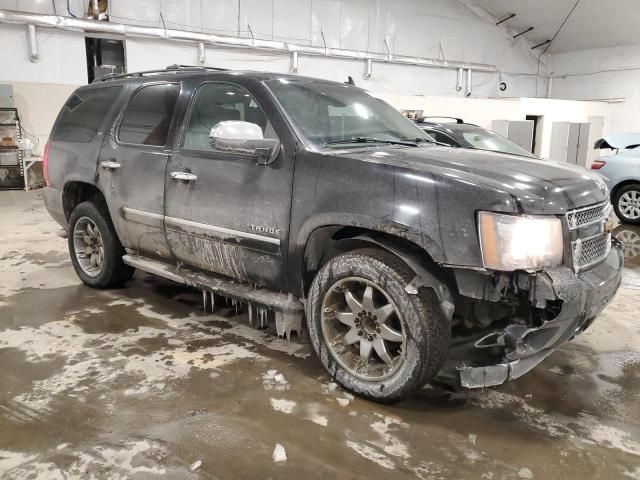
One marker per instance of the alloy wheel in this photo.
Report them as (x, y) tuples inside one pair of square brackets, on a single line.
[(363, 329), (630, 243), (88, 246), (629, 204)]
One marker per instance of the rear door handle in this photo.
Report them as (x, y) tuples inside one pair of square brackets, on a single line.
[(183, 176), (110, 165)]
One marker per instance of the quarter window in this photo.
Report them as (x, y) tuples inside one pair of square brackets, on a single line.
[(83, 114), (217, 102), (149, 114)]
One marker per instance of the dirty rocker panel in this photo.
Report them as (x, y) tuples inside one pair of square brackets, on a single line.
[(288, 310)]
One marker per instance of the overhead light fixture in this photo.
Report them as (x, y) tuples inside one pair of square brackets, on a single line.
[(506, 18), (540, 44), (523, 32)]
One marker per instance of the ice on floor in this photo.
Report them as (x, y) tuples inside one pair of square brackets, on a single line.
[(279, 454), (270, 374), (525, 473)]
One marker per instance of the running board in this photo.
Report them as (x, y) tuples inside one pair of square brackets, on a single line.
[(288, 310)]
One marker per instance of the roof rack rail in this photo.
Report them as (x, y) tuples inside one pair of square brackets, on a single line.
[(169, 69), (425, 119)]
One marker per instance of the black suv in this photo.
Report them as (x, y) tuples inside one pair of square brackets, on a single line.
[(304, 197)]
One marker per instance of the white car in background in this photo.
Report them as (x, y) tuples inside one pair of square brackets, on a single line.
[(621, 173)]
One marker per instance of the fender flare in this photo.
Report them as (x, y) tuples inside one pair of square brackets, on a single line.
[(423, 277)]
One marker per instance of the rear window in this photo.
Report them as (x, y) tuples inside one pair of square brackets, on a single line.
[(83, 114), (149, 114)]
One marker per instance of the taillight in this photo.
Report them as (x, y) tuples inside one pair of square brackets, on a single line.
[(45, 163), (598, 164)]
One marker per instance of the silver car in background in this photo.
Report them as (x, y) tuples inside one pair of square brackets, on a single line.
[(621, 173)]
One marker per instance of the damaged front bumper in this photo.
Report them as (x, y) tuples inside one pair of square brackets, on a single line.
[(583, 297)]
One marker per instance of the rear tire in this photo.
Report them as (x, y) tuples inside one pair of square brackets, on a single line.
[(378, 355), (626, 203), (96, 253)]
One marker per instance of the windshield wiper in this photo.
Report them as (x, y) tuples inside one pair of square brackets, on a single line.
[(407, 143)]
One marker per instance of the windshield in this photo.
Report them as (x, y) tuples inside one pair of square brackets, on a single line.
[(339, 116), (488, 140)]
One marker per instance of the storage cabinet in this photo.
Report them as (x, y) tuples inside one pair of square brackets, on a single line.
[(519, 132), (570, 142), (11, 174)]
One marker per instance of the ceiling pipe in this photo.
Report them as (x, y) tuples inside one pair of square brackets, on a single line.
[(469, 89), (202, 53), (459, 81), (32, 41), (368, 69), (294, 62), (137, 31), (96, 9)]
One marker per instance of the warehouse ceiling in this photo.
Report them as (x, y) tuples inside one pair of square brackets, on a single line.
[(593, 23)]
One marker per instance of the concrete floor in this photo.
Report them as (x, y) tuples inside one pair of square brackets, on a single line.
[(138, 383)]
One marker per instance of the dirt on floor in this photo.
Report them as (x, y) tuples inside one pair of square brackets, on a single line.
[(141, 383)]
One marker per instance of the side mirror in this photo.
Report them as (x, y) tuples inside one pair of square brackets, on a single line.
[(246, 138)]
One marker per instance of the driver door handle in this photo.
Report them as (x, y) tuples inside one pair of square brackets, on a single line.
[(183, 176), (110, 165)]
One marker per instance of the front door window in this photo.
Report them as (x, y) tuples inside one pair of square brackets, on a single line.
[(218, 102)]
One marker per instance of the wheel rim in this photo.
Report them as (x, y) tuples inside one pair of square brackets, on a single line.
[(362, 327), (88, 246), (630, 243), (629, 204)]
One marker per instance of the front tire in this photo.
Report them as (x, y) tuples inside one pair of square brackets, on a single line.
[(96, 253), (626, 203), (373, 337)]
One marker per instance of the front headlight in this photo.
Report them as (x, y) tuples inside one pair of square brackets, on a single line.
[(518, 242)]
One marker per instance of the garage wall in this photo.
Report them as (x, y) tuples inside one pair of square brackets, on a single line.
[(40, 89), (406, 80), (604, 73), (62, 57), (444, 29)]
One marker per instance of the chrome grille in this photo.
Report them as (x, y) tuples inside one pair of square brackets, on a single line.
[(589, 251), (583, 217)]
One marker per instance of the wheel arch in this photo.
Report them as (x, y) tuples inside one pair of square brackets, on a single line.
[(622, 184), (76, 191), (326, 242)]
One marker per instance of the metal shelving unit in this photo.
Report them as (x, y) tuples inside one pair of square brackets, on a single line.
[(11, 161)]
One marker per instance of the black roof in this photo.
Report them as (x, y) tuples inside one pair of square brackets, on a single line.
[(181, 71)]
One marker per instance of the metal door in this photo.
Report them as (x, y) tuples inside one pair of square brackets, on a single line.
[(132, 166), (224, 212)]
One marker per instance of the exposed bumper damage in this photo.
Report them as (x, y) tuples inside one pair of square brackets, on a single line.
[(580, 299)]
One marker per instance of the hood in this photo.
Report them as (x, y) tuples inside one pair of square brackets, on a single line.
[(539, 186), (618, 140)]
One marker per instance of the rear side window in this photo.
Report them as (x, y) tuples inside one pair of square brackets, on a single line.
[(83, 114), (149, 114)]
